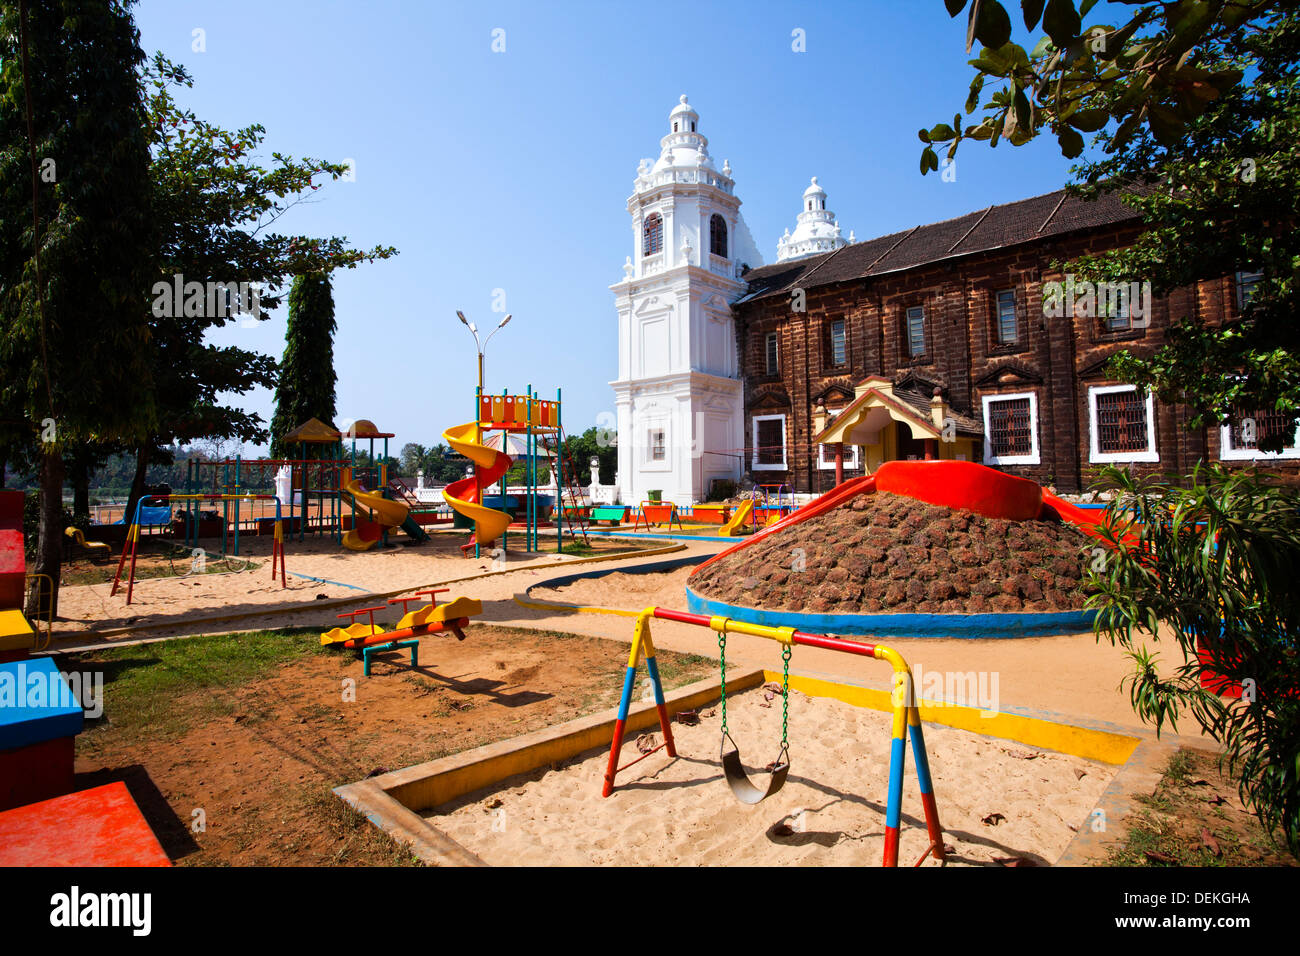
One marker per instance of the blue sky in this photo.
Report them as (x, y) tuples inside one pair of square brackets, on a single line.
[(511, 170)]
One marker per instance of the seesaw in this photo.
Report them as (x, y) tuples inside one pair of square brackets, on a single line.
[(433, 618)]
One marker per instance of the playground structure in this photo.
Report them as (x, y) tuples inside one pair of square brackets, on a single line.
[(95, 549), (433, 618), (540, 423), (658, 513), (132, 543), (906, 719), (313, 487)]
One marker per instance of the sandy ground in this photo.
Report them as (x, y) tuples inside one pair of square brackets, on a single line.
[(680, 812), (629, 590), (317, 569), (1067, 677)]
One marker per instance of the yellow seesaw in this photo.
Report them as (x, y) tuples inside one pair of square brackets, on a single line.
[(433, 618)]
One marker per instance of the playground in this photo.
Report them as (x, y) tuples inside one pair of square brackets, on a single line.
[(503, 701)]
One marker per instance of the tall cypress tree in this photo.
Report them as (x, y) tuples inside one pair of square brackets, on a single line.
[(76, 239), (307, 379)]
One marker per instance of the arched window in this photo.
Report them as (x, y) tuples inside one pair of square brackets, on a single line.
[(718, 236), (652, 235)]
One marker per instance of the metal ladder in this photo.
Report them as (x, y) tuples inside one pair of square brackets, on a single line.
[(572, 508)]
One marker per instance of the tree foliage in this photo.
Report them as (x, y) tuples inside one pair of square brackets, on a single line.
[(307, 377), (76, 240), (217, 202), (1211, 565), (1142, 73)]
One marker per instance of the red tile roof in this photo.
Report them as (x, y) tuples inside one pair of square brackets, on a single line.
[(1026, 220)]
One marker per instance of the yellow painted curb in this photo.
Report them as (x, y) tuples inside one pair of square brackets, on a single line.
[(537, 604), (428, 785), (1099, 745)]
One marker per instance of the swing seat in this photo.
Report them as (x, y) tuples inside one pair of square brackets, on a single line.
[(742, 787)]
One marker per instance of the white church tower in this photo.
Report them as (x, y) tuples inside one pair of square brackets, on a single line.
[(816, 230), (678, 392)]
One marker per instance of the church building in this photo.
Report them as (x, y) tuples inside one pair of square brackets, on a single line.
[(956, 339)]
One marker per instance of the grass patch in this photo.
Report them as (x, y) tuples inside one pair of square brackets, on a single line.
[(1195, 819), (599, 546), (144, 682)]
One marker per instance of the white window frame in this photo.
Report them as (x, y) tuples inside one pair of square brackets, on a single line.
[(1035, 455), (754, 443), (648, 461), (1094, 455), (770, 339), (826, 456), (1228, 453)]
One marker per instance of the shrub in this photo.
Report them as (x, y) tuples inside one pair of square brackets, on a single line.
[(1214, 561)]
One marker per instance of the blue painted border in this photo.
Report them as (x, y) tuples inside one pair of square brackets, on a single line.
[(1000, 625)]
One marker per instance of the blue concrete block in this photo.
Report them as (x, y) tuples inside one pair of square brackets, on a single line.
[(36, 704)]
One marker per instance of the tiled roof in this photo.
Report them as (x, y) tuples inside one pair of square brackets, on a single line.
[(965, 425), (1026, 220)]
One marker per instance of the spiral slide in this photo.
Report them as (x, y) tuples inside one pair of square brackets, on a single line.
[(462, 496), (388, 514)]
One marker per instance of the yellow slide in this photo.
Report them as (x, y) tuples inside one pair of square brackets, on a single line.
[(489, 524), (364, 534), (738, 519)]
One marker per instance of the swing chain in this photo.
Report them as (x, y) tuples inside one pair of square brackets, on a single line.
[(722, 653), (785, 698)]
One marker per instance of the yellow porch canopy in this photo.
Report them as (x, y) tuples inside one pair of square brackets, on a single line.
[(871, 421)]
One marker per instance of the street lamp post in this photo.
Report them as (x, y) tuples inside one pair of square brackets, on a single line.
[(478, 404)]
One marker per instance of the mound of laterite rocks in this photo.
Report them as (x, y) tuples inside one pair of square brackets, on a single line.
[(886, 553)]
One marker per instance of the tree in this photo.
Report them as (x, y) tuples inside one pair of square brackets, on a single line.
[(1196, 108), (76, 238), (592, 443), (216, 203), (1157, 70), (1214, 563), (307, 378)]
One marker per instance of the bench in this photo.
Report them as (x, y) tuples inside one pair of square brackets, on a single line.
[(614, 514)]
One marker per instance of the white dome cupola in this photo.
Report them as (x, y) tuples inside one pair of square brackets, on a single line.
[(683, 117), (816, 231), (684, 147)]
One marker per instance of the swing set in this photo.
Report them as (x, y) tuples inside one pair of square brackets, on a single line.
[(906, 723), (131, 546)]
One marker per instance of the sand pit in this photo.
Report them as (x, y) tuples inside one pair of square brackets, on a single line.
[(628, 590), (886, 553), (680, 812)]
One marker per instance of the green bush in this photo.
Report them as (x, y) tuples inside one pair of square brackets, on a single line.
[(1214, 562)]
